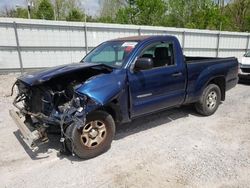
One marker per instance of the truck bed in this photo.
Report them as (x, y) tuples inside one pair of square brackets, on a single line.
[(196, 59), (199, 68)]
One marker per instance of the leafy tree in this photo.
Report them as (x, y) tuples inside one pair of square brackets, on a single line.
[(15, 13), (248, 23), (109, 8), (45, 10), (201, 14), (126, 16), (208, 16), (60, 9), (106, 19), (75, 15), (21, 12), (65, 7), (231, 15), (238, 12), (73, 4), (150, 12)]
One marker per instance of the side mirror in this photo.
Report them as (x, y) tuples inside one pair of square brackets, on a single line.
[(143, 63)]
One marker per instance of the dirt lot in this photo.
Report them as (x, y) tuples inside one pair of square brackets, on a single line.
[(175, 148)]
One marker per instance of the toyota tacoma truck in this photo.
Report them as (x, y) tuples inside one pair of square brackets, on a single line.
[(116, 82)]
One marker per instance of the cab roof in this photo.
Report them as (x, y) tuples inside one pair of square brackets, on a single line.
[(138, 38)]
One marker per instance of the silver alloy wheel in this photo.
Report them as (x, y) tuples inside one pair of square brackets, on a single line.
[(211, 100), (93, 133)]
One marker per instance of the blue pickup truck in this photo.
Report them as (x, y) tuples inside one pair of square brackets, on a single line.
[(118, 81)]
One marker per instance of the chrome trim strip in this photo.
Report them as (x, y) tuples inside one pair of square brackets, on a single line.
[(144, 95)]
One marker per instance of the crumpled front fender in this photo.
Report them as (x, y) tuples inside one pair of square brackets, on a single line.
[(104, 88)]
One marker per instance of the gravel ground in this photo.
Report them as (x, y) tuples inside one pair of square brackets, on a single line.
[(174, 148)]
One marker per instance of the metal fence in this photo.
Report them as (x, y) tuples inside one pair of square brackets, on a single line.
[(31, 44)]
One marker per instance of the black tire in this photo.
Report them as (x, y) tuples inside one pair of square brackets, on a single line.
[(68, 139), (81, 150), (202, 107)]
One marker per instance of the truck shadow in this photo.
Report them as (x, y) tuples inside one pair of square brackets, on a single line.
[(122, 131), (153, 120)]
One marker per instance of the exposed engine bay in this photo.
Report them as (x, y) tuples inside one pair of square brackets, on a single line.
[(53, 103)]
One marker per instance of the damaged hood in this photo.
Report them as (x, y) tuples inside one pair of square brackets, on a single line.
[(103, 88), (39, 77)]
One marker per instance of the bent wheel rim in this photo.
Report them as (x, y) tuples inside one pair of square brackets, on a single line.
[(93, 133), (211, 100)]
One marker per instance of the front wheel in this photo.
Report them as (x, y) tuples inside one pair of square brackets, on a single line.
[(95, 137), (209, 100)]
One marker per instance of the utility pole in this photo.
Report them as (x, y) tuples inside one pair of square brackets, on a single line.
[(131, 4), (221, 7), (29, 6), (28, 11), (55, 9)]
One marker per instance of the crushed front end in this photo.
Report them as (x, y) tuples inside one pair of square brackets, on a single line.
[(77, 101), (42, 109), (47, 102)]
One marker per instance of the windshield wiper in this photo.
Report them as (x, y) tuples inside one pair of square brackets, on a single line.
[(108, 67)]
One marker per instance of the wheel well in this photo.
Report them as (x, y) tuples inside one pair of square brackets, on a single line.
[(114, 110), (220, 81)]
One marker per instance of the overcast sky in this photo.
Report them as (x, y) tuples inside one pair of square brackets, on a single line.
[(91, 6)]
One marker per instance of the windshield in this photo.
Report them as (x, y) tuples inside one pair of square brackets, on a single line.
[(112, 53), (247, 54)]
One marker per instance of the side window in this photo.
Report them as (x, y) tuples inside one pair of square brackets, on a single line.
[(162, 54)]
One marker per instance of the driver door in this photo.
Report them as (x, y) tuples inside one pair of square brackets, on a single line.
[(160, 87)]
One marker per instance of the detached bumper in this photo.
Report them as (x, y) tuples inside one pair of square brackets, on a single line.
[(28, 136)]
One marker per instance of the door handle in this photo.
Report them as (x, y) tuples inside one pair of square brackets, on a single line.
[(177, 74)]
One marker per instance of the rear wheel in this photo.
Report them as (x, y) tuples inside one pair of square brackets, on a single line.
[(209, 101), (95, 137)]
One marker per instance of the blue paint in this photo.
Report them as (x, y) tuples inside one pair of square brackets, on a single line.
[(103, 88)]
